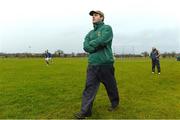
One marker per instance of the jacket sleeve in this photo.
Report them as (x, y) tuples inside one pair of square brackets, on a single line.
[(104, 38), (86, 46), (158, 54)]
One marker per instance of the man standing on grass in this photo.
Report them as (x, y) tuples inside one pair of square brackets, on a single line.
[(155, 60), (48, 57), (100, 65)]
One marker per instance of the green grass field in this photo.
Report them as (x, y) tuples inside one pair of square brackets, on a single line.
[(30, 89)]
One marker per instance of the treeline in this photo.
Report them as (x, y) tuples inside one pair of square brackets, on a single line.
[(40, 55), (163, 55), (64, 55)]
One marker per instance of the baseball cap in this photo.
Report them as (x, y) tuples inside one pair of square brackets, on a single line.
[(97, 12)]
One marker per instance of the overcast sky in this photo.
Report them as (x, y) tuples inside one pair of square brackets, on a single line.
[(138, 25)]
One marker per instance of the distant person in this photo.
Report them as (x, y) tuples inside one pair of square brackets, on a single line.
[(48, 57), (100, 66), (155, 60)]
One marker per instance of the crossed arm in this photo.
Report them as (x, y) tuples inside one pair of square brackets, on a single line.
[(100, 42)]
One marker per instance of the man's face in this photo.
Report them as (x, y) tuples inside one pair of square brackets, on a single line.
[(96, 18)]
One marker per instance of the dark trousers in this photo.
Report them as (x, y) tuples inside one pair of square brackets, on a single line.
[(157, 64), (97, 74)]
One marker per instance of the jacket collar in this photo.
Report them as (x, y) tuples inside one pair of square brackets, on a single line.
[(97, 25)]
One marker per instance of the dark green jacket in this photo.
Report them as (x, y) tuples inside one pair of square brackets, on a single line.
[(98, 44)]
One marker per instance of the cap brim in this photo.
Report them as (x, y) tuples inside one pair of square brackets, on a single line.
[(92, 12)]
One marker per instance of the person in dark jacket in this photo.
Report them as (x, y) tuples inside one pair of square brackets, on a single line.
[(155, 60), (48, 57), (100, 65)]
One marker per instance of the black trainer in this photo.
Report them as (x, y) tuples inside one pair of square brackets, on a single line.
[(80, 115), (111, 108)]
